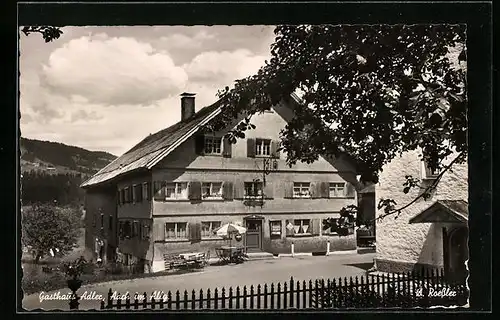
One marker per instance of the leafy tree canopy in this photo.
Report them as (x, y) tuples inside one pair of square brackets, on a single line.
[(371, 91), (46, 227)]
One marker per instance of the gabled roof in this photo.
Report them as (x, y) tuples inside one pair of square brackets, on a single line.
[(454, 211), (154, 147)]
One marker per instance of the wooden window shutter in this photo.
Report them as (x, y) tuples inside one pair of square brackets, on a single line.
[(251, 148), (315, 226), (275, 153), (227, 148), (130, 193), (159, 190), (238, 189), (194, 231), (158, 231), (134, 193), (199, 144), (325, 189), (269, 190), (350, 190), (118, 199), (227, 190), (139, 192), (288, 186), (194, 190)]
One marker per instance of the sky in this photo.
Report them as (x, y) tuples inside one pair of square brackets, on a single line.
[(106, 88)]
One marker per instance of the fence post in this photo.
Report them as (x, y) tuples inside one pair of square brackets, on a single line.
[(285, 296), (119, 302), (193, 300), (251, 296), (102, 304), (223, 298), (216, 299), (297, 295), (335, 293), (363, 294), (237, 297), (265, 296), (200, 302), (209, 302), (145, 300), (162, 300), (291, 292), (136, 300), (110, 300), (153, 302), (127, 301), (244, 297), (230, 297), (169, 300), (185, 300)]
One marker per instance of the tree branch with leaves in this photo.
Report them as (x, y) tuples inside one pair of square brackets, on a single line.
[(373, 92)]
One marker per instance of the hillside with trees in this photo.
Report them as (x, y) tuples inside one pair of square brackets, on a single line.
[(52, 172)]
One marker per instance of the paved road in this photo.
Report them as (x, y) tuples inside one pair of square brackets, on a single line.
[(249, 273)]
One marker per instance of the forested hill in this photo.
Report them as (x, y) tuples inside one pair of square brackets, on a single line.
[(54, 157), (52, 172)]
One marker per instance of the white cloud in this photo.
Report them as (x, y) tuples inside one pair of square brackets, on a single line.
[(113, 71), (224, 67)]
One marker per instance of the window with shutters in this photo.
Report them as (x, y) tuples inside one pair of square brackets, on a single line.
[(211, 190), (213, 145), (176, 230), (263, 147), (329, 231), (208, 228), (176, 190), (301, 190), (253, 189), (337, 190)]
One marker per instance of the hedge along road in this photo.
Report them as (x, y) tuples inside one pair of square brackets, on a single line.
[(249, 273)]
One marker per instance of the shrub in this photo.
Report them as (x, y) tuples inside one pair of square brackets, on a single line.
[(114, 268)]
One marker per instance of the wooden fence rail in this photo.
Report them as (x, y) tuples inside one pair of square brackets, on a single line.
[(393, 291)]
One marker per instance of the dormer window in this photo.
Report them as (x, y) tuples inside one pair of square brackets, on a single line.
[(213, 145)]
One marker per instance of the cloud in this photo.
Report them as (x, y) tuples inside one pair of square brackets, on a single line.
[(182, 41), (83, 115), (223, 67), (113, 71)]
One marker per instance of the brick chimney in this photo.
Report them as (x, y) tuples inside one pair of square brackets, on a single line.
[(187, 105)]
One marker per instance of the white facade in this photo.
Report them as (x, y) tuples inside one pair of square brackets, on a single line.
[(398, 241)]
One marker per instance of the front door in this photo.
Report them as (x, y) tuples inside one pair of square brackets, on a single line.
[(254, 235)]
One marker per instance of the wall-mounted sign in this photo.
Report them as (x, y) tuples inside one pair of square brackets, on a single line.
[(289, 226)]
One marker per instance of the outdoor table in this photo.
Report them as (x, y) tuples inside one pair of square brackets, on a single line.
[(228, 254), (193, 258)]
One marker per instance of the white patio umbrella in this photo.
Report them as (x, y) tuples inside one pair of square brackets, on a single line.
[(229, 229)]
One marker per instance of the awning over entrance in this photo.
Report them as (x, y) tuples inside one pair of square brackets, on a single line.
[(453, 211)]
